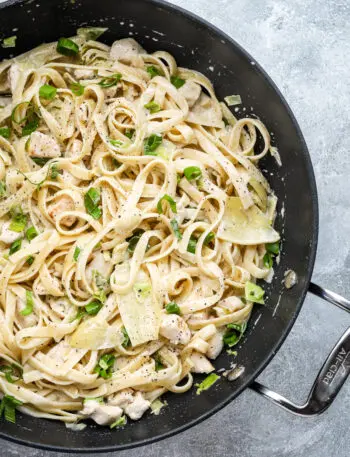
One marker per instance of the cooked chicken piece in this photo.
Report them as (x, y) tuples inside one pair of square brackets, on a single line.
[(84, 74), (62, 204), (191, 91), (175, 329), (200, 363), (100, 264), (126, 50), (216, 344), (138, 407), (44, 146), (101, 413)]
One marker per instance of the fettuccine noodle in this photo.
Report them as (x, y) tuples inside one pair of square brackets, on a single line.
[(134, 223)]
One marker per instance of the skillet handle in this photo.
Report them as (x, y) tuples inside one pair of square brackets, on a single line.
[(330, 378)]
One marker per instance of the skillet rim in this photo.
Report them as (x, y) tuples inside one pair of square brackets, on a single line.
[(312, 254)]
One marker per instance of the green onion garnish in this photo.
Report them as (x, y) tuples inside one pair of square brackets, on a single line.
[(154, 71), (126, 339), (77, 251), (77, 89), (207, 383), (12, 372), (129, 133), (5, 132), (152, 143), (171, 202), (234, 333), (158, 363), (47, 92), (192, 173), (175, 226), (273, 248), (209, 238), (15, 246), (8, 407), (31, 126), (177, 82), (268, 260), (2, 189), (29, 304), (31, 233), (19, 219), (30, 260), (152, 107), (54, 172), (119, 422), (41, 161), (67, 47), (134, 239), (115, 142), (254, 293), (104, 368), (93, 308), (192, 243), (9, 42), (110, 81), (172, 308), (92, 200)]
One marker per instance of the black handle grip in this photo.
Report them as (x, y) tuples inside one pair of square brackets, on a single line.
[(330, 378)]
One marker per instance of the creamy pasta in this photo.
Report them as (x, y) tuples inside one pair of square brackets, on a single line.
[(134, 223)]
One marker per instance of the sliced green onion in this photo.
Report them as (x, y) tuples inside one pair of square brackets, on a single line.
[(115, 142), (47, 92), (134, 239), (9, 42), (119, 422), (207, 383), (232, 100), (152, 107), (5, 132), (192, 173), (158, 363), (154, 71), (41, 161), (268, 260), (254, 293), (67, 47), (15, 246), (129, 133), (31, 233), (19, 219), (30, 260), (91, 33), (273, 248), (29, 304), (110, 81), (104, 368), (16, 115), (92, 199), (77, 89), (234, 333), (54, 171), (2, 189), (171, 202), (93, 308), (77, 251), (8, 407), (172, 308), (175, 226), (31, 126), (10, 371), (152, 143), (126, 339), (177, 82), (209, 238), (192, 243)]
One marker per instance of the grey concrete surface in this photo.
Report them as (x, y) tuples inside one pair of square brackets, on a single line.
[(305, 46)]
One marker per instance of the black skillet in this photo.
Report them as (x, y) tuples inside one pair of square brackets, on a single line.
[(199, 45)]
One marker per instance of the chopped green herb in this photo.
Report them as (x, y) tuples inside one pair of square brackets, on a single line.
[(54, 171), (12, 372), (77, 251), (91, 33), (234, 333), (29, 304), (9, 42), (19, 219), (157, 405), (77, 89), (92, 200), (15, 246), (30, 260), (192, 173), (154, 71), (254, 293), (171, 202), (231, 352), (273, 248), (67, 47), (41, 161), (119, 422), (134, 239), (2, 189), (177, 82), (268, 260), (16, 115), (104, 368), (175, 226), (47, 92), (126, 339), (115, 142), (158, 363), (5, 132), (31, 233), (8, 407), (172, 308), (152, 107), (110, 81), (207, 383), (152, 143), (30, 127), (93, 308), (192, 243), (129, 133), (209, 238)]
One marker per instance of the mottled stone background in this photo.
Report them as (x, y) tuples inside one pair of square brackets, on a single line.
[(305, 47)]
